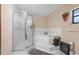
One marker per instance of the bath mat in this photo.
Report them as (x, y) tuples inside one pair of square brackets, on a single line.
[(38, 52)]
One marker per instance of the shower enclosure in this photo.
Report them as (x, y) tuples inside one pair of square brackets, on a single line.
[(22, 37)]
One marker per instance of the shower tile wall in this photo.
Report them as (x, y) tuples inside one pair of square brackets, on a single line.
[(40, 31)]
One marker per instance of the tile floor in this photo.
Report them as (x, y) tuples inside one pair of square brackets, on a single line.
[(26, 51)]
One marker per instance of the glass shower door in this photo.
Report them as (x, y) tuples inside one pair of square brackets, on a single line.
[(18, 31)]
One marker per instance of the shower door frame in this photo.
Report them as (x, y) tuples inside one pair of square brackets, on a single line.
[(0, 29), (25, 33)]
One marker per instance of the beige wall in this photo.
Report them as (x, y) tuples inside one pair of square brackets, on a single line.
[(39, 21), (6, 29), (55, 20)]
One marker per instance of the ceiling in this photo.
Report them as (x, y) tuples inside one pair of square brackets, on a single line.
[(38, 9)]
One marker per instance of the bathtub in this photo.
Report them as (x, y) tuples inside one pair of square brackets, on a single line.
[(42, 42)]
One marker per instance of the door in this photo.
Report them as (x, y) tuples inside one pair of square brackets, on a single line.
[(19, 31), (29, 29)]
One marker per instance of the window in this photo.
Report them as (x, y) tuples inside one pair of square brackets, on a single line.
[(75, 16)]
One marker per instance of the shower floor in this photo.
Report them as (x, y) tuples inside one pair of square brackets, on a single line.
[(22, 52)]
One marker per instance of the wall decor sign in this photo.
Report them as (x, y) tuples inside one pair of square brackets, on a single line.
[(65, 16)]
